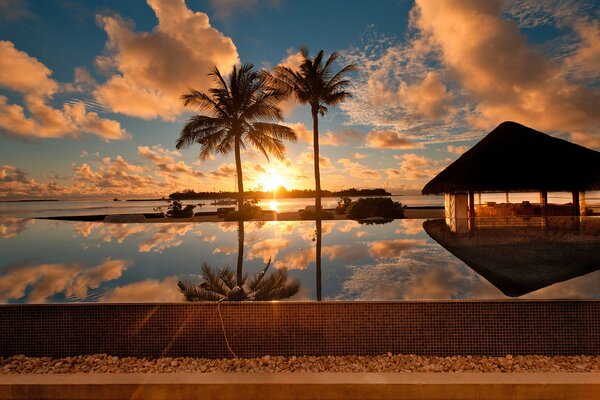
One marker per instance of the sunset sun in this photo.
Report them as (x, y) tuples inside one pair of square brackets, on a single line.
[(272, 180)]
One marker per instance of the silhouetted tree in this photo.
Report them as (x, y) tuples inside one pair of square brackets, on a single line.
[(316, 85), (222, 285), (238, 109)]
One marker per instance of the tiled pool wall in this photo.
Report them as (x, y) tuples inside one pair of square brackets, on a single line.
[(286, 328)]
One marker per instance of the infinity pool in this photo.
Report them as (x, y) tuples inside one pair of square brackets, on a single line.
[(44, 261)]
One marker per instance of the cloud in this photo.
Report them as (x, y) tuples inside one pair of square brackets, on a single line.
[(416, 275), (303, 133), (508, 79), (390, 140), (531, 14), (584, 63), (268, 249), (46, 280), (358, 170), (149, 71), (307, 158), (149, 290), (346, 252), (11, 227), (164, 237), (15, 183), (387, 249), (345, 137), (360, 156), (414, 166), (298, 260), (457, 149), (25, 75)]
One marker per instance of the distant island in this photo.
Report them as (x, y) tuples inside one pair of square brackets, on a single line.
[(281, 193)]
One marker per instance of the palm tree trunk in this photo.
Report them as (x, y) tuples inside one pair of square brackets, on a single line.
[(315, 115), (318, 258), (240, 182), (240, 258)]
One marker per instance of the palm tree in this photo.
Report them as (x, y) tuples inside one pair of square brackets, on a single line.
[(238, 109), (222, 285), (316, 85)]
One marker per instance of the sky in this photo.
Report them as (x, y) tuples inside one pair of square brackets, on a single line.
[(90, 91)]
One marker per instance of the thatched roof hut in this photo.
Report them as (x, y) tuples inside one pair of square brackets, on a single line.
[(516, 158)]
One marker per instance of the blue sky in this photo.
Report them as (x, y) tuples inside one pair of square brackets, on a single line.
[(89, 90)]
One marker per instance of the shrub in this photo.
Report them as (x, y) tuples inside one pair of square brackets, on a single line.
[(176, 210), (343, 205), (311, 215), (249, 211), (371, 207)]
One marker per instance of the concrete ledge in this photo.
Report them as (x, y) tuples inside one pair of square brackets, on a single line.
[(326, 386)]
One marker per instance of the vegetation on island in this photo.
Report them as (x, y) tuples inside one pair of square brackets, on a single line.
[(375, 207), (280, 193)]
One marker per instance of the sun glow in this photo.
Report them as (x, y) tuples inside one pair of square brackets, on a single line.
[(272, 180)]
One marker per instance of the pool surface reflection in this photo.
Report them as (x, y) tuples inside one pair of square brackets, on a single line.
[(43, 261)]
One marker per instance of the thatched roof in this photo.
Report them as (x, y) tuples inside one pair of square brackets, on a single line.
[(516, 158)]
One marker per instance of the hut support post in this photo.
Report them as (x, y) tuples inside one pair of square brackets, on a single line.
[(471, 205), (544, 203), (582, 203), (506, 198), (576, 204)]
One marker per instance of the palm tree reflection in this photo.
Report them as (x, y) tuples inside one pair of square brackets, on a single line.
[(223, 285)]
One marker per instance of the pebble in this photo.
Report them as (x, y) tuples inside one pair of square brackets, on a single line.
[(388, 362)]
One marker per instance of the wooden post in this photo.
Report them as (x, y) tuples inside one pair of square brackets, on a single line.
[(544, 203), (471, 205), (582, 203), (576, 204), (507, 199)]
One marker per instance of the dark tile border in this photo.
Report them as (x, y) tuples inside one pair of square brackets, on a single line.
[(548, 327)]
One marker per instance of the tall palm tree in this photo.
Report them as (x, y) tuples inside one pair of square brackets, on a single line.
[(239, 108), (315, 84)]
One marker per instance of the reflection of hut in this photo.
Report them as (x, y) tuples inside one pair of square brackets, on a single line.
[(515, 158), (522, 259)]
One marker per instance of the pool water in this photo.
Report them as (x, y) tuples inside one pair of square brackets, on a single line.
[(45, 261)]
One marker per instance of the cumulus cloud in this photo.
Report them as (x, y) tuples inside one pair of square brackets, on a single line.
[(11, 227), (149, 290), (73, 280), (27, 76), (345, 137), (507, 77), (144, 80), (386, 249), (465, 66), (16, 183), (358, 170), (459, 150), (164, 237), (414, 166), (390, 140), (268, 249)]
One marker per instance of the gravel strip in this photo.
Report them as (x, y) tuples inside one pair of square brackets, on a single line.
[(102, 363)]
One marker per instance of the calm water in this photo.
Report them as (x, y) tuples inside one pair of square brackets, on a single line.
[(103, 207), (55, 261)]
